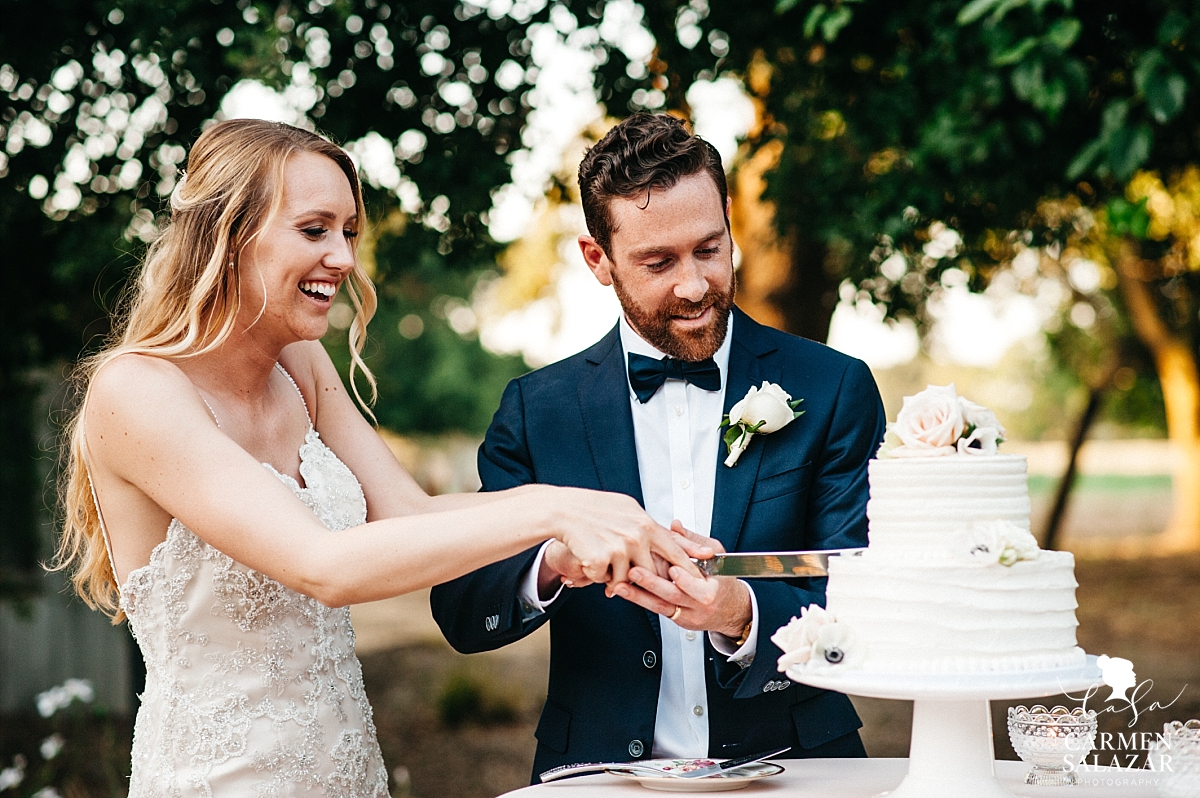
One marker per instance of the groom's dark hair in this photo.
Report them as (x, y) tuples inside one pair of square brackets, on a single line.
[(642, 153)]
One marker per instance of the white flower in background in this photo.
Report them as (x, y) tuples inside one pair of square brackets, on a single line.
[(51, 746), (61, 696), (761, 411), (47, 792), (13, 776), (929, 423), (813, 641), (996, 542)]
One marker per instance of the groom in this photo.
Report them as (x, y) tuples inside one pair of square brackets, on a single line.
[(666, 665)]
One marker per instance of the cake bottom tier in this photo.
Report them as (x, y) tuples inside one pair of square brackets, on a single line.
[(923, 616)]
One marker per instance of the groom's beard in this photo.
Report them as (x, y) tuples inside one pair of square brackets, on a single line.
[(655, 325)]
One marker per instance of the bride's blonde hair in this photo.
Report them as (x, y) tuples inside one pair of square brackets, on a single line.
[(186, 301)]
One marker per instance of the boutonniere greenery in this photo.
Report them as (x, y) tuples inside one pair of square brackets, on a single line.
[(761, 411)]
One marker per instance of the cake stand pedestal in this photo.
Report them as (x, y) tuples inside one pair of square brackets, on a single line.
[(951, 753)]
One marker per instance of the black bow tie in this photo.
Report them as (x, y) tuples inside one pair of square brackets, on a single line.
[(647, 374)]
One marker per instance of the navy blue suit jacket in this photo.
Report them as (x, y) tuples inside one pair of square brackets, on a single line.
[(803, 487)]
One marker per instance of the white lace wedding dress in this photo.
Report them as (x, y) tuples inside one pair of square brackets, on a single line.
[(252, 689)]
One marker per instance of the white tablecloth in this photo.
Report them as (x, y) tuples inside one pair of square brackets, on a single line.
[(858, 778)]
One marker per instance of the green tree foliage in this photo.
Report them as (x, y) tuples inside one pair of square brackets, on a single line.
[(893, 115)]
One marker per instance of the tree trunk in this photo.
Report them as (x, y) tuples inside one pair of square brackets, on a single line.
[(765, 259), (809, 297), (1177, 372), (782, 281), (1067, 483)]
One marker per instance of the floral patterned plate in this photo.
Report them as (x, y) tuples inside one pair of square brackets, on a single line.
[(732, 779)]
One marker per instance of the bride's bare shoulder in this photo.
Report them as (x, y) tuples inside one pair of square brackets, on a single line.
[(131, 384), (310, 366)]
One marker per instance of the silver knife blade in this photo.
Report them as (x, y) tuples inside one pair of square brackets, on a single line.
[(729, 764), (771, 564)]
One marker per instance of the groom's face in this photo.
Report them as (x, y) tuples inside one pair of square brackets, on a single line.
[(670, 261)]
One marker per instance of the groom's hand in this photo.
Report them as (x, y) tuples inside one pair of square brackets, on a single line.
[(610, 533), (712, 604), (560, 566)]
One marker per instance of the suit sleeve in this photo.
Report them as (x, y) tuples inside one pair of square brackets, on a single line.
[(836, 518), (480, 611)]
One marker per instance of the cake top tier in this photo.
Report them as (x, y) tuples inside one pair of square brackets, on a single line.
[(937, 422)]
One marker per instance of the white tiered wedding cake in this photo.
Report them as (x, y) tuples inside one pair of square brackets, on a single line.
[(952, 580)]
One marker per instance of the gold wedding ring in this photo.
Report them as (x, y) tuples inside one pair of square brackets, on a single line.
[(675, 614)]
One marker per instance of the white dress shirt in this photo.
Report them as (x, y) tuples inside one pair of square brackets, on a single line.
[(677, 434)]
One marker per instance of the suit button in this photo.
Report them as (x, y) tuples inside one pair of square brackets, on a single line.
[(649, 659), (636, 748)]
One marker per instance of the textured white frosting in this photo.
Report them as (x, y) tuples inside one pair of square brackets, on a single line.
[(917, 504), (916, 603)]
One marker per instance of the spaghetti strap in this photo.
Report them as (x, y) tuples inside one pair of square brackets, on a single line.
[(211, 412), (284, 372), (87, 467)]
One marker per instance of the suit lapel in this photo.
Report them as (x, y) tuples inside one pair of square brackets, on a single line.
[(608, 421), (734, 484)]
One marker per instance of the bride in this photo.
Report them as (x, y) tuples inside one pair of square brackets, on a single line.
[(224, 494)]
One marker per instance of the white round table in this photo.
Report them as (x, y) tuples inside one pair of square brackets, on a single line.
[(859, 778)]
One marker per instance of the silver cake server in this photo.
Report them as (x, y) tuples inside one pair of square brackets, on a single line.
[(695, 773)]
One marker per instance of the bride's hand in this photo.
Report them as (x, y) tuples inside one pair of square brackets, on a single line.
[(609, 533)]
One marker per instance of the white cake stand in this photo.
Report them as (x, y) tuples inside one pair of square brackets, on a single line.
[(951, 753)]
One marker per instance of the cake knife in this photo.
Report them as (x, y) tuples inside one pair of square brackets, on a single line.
[(771, 564)]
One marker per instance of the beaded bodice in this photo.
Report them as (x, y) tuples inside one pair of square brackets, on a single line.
[(252, 689)]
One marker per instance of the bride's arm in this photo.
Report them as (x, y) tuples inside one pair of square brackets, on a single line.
[(146, 425)]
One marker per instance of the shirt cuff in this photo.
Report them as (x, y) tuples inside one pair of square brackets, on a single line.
[(743, 655), (532, 604)]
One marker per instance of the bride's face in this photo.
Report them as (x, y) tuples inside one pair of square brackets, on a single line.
[(291, 272)]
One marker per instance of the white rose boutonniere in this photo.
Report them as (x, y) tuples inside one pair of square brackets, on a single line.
[(761, 411)]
